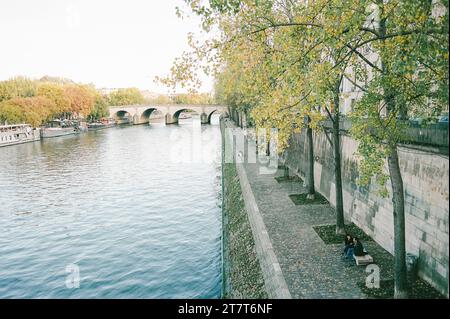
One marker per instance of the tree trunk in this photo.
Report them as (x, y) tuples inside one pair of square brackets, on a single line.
[(285, 171), (337, 173), (256, 141), (311, 191), (398, 201)]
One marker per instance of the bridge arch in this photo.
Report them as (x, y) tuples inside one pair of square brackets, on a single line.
[(145, 116), (177, 113), (211, 114), (149, 114), (122, 113), (123, 116), (175, 116)]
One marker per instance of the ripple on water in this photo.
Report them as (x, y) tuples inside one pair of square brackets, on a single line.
[(112, 202)]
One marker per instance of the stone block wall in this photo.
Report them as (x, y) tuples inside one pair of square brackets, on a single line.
[(425, 175)]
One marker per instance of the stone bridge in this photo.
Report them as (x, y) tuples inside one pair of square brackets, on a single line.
[(141, 114)]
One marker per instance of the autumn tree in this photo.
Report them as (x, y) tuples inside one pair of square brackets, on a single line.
[(81, 99), (408, 77), (274, 65), (56, 94), (37, 101), (263, 68), (287, 60), (31, 110)]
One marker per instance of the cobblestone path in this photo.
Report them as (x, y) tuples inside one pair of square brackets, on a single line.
[(311, 268)]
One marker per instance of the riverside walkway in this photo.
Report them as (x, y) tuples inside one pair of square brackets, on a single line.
[(309, 267)]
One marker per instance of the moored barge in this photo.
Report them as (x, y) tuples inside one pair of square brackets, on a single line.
[(57, 128), (18, 134)]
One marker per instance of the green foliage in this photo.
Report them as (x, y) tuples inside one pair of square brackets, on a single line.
[(30, 110), (100, 108), (410, 81), (127, 96), (17, 87)]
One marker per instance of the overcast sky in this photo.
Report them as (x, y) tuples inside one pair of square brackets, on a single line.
[(111, 43)]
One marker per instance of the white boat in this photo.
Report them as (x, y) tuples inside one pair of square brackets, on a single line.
[(57, 128), (18, 134)]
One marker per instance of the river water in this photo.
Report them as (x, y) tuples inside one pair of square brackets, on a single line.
[(126, 212)]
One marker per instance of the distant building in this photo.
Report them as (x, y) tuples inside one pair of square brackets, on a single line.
[(106, 91), (148, 95)]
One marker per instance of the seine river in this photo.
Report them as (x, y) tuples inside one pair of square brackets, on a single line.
[(126, 212)]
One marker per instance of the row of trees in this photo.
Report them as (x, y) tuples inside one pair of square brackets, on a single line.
[(36, 101), (283, 63), (184, 98), (133, 96)]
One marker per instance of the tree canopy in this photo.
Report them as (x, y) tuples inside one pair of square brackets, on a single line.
[(24, 100)]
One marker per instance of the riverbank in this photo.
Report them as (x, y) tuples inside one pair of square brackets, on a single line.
[(241, 272), (424, 170), (242, 276), (297, 235)]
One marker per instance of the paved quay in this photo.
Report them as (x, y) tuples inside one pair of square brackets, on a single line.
[(309, 267)]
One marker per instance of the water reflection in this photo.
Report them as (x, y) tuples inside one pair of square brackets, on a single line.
[(136, 223)]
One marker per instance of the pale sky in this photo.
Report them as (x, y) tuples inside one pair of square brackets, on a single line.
[(111, 43)]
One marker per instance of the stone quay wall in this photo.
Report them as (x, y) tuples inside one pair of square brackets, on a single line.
[(425, 176)]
